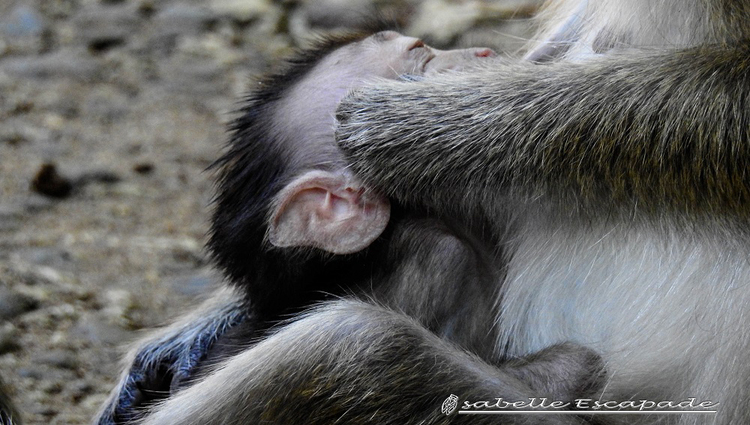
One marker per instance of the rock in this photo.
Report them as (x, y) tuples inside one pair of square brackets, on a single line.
[(337, 14), (33, 373), (8, 338), (61, 359), (443, 20), (106, 103), (194, 284), (102, 27), (61, 64), (98, 330), (144, 168), (118, 307), (47, 256), (13, 304), (23, 21), (50, 183), (242, 10), (179, 19), (10, 216), (193, 75)]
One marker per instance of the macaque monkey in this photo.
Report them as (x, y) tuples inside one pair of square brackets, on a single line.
[(294, 227), (614, 164)]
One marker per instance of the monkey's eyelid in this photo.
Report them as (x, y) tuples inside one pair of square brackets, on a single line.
[(385, 35)]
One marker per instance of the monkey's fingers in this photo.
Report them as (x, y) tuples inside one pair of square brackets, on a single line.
[(398, 150)]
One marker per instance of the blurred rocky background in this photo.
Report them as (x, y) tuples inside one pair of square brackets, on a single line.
[(110, 112)]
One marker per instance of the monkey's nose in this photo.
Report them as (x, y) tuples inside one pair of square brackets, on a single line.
[(485, 53), (417, 44)]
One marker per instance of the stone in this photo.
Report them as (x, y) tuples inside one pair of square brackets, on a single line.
[(8, 338), (102, 27), (61, 64), (23, 21), (49, 182), (242, 10), (99, 330), (337, 14), (13, 304), (61, 359), (178, 19)]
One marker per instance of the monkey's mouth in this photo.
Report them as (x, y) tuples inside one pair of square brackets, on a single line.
[(430, 57)]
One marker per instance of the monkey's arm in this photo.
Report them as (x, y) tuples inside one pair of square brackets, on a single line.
[(355, 363), (161, 363), (659, 132)]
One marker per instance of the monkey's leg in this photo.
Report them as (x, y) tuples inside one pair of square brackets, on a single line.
[(352, 362), (653, 131), (160, 363)]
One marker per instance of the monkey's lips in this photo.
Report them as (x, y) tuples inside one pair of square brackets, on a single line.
[(430, 57)]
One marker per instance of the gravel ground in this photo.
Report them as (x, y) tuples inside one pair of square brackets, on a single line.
[(110, 112)]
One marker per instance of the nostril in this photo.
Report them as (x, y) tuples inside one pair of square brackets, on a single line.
[(417, 44), (485, 53)]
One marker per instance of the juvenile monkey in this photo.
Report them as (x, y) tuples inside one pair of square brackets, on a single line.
[(284, 180), (286, 203)]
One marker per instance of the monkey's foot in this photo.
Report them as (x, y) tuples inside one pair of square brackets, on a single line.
[(163, 366)]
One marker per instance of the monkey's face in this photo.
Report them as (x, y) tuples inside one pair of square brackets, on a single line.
[(389, 54)]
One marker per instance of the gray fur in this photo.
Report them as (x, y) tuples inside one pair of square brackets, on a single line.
[(352, 362), (619, 183)]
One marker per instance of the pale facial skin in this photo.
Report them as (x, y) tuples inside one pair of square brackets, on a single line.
[(307, 111), (389, 54)]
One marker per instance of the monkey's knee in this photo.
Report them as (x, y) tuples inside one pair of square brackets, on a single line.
[(563, 371)]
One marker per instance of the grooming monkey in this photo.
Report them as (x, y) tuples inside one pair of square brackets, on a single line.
[(618, 182), (287, 202)]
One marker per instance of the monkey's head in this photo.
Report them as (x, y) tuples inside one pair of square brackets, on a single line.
[(285, 200)]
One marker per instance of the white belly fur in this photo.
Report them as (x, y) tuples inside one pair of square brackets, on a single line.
[(667, 312)]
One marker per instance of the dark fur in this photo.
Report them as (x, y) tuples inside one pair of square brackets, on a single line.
[(8, 413), (251, 173)]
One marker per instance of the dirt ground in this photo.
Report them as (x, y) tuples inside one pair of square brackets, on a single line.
[(110, 112)]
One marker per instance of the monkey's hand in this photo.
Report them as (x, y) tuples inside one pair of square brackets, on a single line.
[(611, 133), (162, 363), (420, 142)]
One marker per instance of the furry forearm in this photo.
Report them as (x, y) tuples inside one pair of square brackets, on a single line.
[(667, 131), (351, 362)]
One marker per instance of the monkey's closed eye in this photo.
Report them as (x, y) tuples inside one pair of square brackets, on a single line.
[(417, 44)]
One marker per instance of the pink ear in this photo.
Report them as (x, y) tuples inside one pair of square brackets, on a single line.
[(327, 210)]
